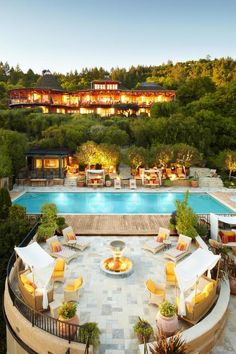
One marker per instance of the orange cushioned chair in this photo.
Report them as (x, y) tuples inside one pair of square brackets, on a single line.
[(59, 270), (71, 289), (170, 273), (157, 292)]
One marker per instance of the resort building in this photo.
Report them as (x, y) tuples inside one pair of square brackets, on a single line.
[(104, 97)]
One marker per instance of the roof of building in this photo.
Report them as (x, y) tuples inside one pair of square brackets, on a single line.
[(149, 86), (48, 152), (48, 81)]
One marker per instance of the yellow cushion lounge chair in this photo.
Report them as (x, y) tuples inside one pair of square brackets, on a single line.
[(59, 270), (170, 273), (71, 289), (157, 292)]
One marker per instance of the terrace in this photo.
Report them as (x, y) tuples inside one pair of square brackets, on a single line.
[(113, 303)]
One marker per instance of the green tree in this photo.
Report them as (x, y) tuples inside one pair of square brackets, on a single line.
[(5, 162), (137, 156), (186, 219), (5, 203)]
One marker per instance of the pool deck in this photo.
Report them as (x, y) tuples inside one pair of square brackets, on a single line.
[(117, 224)]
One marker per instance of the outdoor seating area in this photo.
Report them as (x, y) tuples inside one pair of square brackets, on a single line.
[(155, 280)]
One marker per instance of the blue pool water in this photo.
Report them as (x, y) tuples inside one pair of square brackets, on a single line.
[(119, 203)]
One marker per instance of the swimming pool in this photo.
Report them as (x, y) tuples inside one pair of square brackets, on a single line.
[(119, 203)]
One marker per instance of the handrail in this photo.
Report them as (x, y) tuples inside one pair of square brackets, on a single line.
[(40, 320)]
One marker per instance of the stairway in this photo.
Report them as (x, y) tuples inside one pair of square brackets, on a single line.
[(204, 179), (70, 182), (211, 182)]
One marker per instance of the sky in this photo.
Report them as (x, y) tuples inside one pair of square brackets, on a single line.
[(64, 35)]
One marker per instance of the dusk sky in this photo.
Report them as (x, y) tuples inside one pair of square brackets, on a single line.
[(63, 35)]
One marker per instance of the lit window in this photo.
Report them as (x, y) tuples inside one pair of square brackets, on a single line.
[(38, 163), (51, 163)]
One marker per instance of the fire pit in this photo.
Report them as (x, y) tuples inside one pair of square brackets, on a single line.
[(117, 265)]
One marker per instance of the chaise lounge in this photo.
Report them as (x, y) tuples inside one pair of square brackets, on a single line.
[(71, 240), (157, 243), (181, 250), (57, 251)]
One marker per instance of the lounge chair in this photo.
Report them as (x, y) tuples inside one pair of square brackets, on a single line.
[(71, 289), (117, 183), (59, 270), (181, 250), (71, 240), (157, 243), (157, 292), (170, 273), (132, 184), (179, 172), (57, 251)]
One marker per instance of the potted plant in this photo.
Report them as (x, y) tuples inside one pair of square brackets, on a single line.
[(167, 320), (195, 181), (144, 330), (81, 181), (167, 183), (108, 181), (89, 330), (173, 345), (69, 319)]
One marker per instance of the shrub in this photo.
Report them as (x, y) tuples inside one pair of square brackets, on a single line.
[(186, 219), (91, 330), (5, 203), (61, 223), (44, 232)]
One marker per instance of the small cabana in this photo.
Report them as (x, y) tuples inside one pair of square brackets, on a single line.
[(95, 178), (197, 291), (34, 280), (151, 178), (225, 234)]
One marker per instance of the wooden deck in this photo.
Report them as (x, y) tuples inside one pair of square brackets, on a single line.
[(117, 224)]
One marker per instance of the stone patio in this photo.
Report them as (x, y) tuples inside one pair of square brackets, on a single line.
[(116, 302)]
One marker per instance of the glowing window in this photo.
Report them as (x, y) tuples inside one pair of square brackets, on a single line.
[(38, 163), (51, 163)]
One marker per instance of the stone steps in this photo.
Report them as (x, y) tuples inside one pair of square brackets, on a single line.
[(211, 182)]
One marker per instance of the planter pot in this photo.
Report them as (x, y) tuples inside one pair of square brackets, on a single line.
[(232, 283), (68, 328), (168, 325), (108, 183), (80, 184), (194, 184), (141, 338)]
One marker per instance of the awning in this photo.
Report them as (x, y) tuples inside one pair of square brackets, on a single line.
[(41, 265), (214, 222)]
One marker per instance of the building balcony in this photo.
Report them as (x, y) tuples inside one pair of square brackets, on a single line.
[(32, 331)]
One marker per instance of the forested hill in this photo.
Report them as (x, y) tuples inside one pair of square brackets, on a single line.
[(170, 75)]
